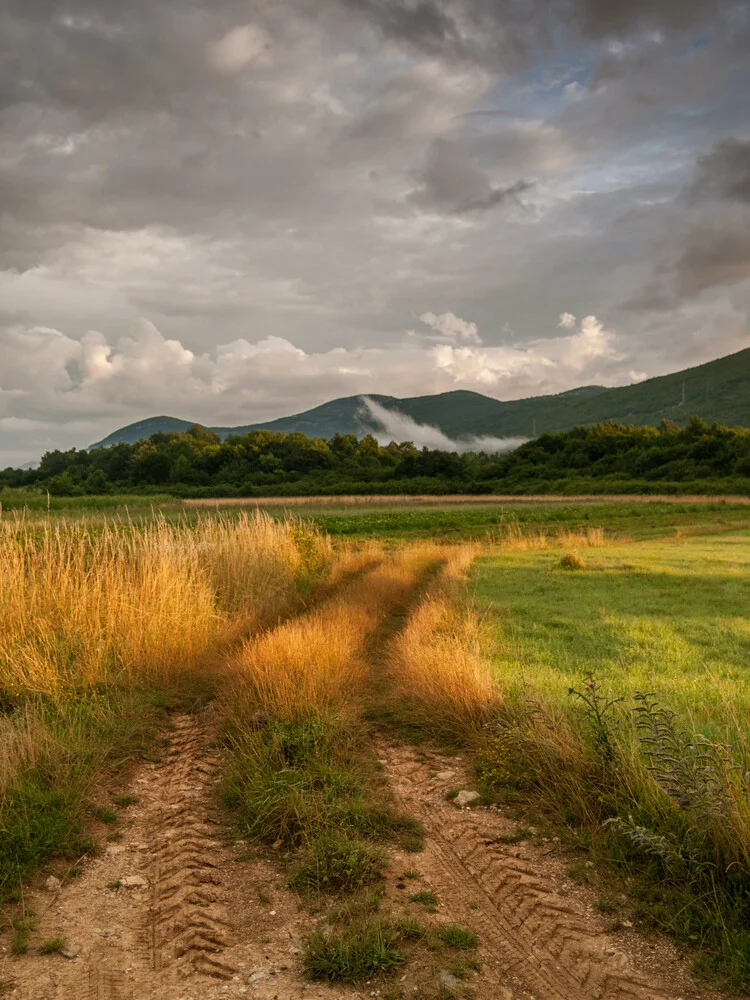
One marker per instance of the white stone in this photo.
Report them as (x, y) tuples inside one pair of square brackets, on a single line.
[(134, 882), (466, 798)]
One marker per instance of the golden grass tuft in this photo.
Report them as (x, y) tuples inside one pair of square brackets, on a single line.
[(315, 663), (437, 666)]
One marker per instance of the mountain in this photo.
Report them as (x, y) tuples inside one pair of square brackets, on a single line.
[(719, 392)]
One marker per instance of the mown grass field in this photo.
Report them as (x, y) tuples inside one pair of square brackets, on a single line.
[(667, 615)]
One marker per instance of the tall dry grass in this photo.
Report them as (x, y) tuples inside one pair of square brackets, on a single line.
[(515, 537), (81, 607), (315, 663), (437, 666)]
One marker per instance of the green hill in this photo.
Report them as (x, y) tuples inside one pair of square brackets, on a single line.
[(719, 392)]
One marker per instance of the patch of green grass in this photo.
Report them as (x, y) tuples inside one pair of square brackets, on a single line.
[(411, 873), (52, 946), (457, 937), (358, 954), (518, 835), (451, 794), (22, 928), (425, 898), (123, 801), (605, 905), (43, 809), (334, 862), (411, 930), (105, 815)]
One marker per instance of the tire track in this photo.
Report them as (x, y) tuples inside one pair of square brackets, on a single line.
[(545, 943), (188, 921)]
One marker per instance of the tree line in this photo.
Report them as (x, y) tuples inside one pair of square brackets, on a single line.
[(605, 457)]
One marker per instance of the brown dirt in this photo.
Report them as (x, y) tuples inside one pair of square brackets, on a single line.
[(205, 923), (213, 920), (540, 935)]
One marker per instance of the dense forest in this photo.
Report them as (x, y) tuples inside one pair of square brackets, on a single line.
[(607, 457)]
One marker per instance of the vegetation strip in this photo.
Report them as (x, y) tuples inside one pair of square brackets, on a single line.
[(100, 628), (633, 786)]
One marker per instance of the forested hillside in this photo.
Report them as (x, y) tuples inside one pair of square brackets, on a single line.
[(607, 457), (718, 392)]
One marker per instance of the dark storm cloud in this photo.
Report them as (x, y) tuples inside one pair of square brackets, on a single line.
[(724, 173), (510, 30)]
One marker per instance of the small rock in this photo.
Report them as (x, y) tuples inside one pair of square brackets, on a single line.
[(115, 849), (627, 923), (70, 950), (52, 884), (445, 775), (257, 975), (466, 798), (449, 982), (134, 882)]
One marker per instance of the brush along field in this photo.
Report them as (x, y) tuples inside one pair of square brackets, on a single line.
[(241, 758)]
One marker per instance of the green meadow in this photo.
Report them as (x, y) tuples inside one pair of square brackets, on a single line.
[(670, 615)]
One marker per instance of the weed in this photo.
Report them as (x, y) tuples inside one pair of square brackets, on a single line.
[(518, 835), (263, 896), (52, 946), (451, 794), (605, 905), (22, 929), (599, 708), (571, 561), (116, 835), (411, 873), (425, 898), (358, 954), (105, 815), (457, 937), (410, 929), (334, 862), (123, 801), (114, 885)]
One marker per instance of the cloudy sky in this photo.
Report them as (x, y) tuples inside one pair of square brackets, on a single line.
[(231, 211)]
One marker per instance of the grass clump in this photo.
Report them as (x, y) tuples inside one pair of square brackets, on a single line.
[(457, 937), (105, 815), (52, 946), (425, 898), (123, 801), (355, 955), (571, 560), (333, 862)]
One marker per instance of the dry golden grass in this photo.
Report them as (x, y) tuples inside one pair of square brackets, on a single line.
[(461, 498), (437, 665), (82, 607), (514, 537), (316, 662)]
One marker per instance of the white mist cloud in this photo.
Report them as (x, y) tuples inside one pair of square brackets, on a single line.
[(392, 425), (72, 391)]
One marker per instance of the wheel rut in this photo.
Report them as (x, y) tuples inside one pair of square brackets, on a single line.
[(544, 945), (151, 913)]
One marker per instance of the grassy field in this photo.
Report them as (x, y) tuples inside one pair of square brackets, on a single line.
[(668, 616), (523, 643), (395, 521), (602, 685)]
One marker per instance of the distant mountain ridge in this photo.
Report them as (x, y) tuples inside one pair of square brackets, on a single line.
[(718, 391)]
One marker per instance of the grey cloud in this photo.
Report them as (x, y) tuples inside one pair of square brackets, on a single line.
[(724, 173), (450, 182)]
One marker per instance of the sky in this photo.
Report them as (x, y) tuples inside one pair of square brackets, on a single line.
[(234, 211)]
